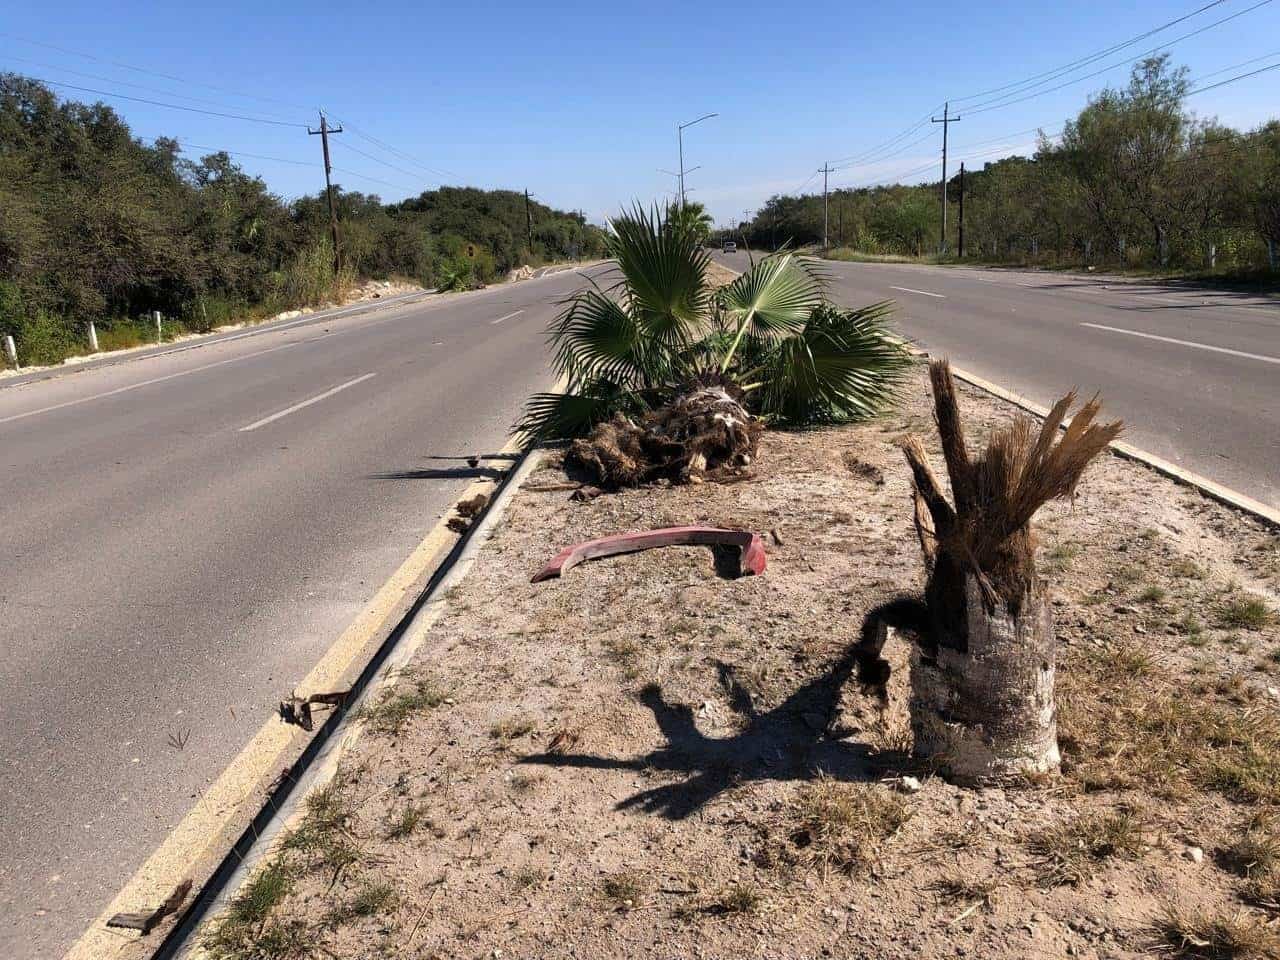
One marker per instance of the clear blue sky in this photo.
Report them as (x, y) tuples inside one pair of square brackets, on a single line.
[(578, 102)]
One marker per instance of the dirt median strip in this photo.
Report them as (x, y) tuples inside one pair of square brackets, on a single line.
[(648, 760)]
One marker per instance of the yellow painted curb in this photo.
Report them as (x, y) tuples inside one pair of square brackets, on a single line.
[(196, 847)]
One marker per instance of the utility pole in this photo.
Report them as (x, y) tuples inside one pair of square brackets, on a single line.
[(961, 210), (946, 121), (323, 133), (826, 169), (528, 220)]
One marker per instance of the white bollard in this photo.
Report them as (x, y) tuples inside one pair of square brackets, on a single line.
[(11, 351), (159, 335), (1213, 256), (93, 338)]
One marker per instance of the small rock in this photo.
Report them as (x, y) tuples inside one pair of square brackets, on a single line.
[(1273, 693), (909, 785), (1194, 854)]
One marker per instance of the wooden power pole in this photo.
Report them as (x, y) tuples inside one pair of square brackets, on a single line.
[(323, 133), (826, 169), (528, 221), (946, 121), (961, 238)]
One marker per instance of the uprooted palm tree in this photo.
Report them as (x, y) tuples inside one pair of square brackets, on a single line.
[(982, 672), (668, 377)]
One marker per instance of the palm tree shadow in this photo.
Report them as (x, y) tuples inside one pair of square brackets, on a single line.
[(789, 742)]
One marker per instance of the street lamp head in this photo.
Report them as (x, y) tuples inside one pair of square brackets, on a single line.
[(699, 120)]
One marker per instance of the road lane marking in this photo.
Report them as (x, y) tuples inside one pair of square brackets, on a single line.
[(1185, 343), (144, 383), (923, 293), (507, 317), (305, 403)]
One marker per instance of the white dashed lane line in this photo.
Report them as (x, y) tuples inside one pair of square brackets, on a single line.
[(1184, 343)]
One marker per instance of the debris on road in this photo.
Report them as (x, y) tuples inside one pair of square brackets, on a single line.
[(297, 711), (146, 922), (751, 559)]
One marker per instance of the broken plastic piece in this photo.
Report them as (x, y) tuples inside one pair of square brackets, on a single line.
[(750, 547), (146, 922)]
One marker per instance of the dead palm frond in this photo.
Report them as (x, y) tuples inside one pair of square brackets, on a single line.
[(987, 532)]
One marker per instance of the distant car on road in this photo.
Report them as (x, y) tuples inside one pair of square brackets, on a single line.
[(730, 247)]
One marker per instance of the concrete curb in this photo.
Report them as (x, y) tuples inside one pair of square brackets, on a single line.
[(347, 725), (1210, 488)]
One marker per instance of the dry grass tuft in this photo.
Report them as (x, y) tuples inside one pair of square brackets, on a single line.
[(1245, 612), (1072, 851), (1254, 853), (838, 825), (323, 837), (370, 900), (623, 890), (964, 889), (248, 932), (1120, 731), (511, 728), (1198, 934), (411, 696)]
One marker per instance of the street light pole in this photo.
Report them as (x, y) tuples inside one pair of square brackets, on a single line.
[(680, 140)]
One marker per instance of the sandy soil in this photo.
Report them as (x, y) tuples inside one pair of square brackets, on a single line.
[(646, 760)]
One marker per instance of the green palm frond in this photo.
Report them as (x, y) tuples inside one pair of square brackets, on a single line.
[(595, 338), (772, 299), (844, 365), (562, 416), (663, 276)]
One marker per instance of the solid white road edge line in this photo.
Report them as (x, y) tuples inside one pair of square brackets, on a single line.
[(923, 293), (1184, 343), (507, 317), (305, 403), (144, 383)]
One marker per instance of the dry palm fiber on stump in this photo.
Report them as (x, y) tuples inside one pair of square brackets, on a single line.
[(982, 700)]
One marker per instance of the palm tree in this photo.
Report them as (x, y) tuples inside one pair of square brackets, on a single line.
[(690, 217), (982, 674), (677, 378)]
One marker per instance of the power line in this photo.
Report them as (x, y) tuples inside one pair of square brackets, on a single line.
[(394, 151), (154, 73), (1223, 83), (1000, 102), (1093, 57), (171, 106), (123, 83), (385, 163)]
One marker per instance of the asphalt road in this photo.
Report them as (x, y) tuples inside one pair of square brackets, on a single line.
[(186, 534), (1195, 373)]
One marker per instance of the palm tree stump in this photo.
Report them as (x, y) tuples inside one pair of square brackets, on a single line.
[(987, 710), (982, 675)]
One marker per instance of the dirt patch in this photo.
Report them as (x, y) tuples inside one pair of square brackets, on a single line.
[(718, 274), (643, 759)]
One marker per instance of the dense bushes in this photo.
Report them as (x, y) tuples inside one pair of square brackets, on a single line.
[(1136, 180), (97, 225)]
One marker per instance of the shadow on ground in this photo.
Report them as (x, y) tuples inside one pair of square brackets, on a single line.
[(789, 742), (472, 471)]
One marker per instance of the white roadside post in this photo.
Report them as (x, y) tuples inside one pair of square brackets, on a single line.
[(11, 351), (93, 338), (159, 336)]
